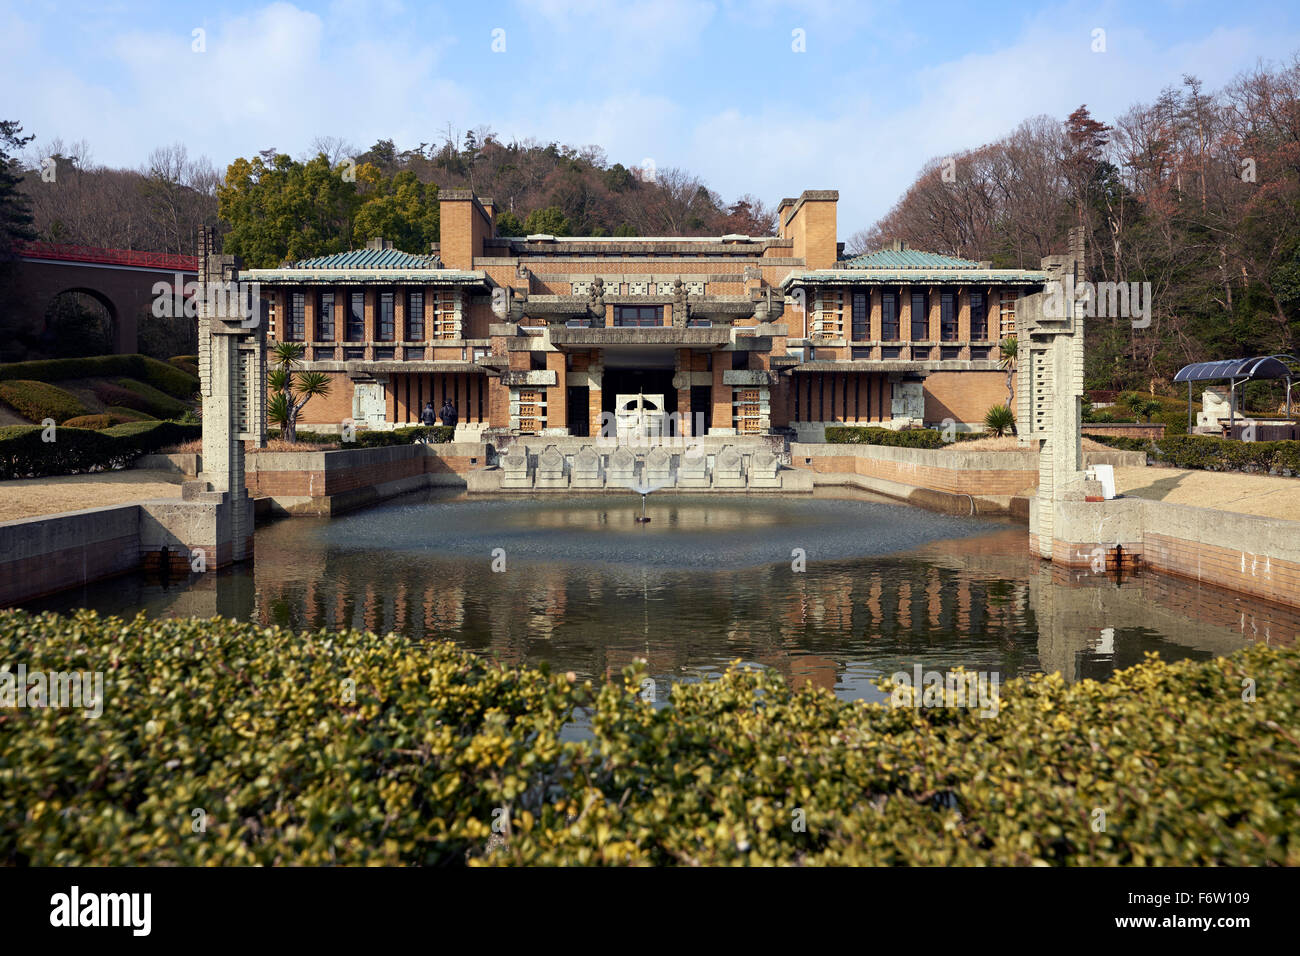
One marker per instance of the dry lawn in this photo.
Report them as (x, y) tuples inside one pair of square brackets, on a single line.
[(29, 497), (1264, 495)]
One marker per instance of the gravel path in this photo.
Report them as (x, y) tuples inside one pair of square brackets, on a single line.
[(29, 497)]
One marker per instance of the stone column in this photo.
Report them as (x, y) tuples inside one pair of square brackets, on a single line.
[(1049, 389)]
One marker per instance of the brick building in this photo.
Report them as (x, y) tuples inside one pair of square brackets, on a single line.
[(734, 334)]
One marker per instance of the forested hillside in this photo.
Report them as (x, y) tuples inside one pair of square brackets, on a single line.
[(272, 206), (1197, 193)]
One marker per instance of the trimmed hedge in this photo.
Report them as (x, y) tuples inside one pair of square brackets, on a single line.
[(348, 748), (129, 414), (149, 399), (37, 401), (1209, 453), (911, 438), (24, 453), (435, 434), (95, 422), (161, 375)]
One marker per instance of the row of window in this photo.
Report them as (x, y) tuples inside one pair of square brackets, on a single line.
[(890, 304), (354, 317)]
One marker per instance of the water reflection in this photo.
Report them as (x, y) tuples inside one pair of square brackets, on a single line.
[(585, 589)]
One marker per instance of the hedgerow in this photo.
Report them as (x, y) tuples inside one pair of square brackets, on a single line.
[(174, 381), (348, 748), (148, 399), (910, 438), (25, 451), (37, 401), (1215, 454)]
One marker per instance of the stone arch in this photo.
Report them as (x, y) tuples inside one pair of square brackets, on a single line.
[(51, 318)]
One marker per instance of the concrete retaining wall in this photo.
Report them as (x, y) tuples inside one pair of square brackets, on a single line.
[(947, 479), (1247, 553), (40, 556)]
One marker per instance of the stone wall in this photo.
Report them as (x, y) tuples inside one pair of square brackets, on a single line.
[(1247, 553), (329, 482)]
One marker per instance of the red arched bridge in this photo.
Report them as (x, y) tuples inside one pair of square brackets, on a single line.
[(121, 280)]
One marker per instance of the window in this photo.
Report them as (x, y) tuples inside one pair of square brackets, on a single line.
[(387, 324), (295, 328), (357, 318), (415, 316), (627, 315), (739, 360), (948, 316), (889, 317), (325, 317), (1007, 319), (861, 321), (920, 318), (979, 318), (700, 323), (587, 323), (537, 361)]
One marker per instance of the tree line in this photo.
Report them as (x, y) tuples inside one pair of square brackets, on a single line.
[(273, 207), (1197, 193)]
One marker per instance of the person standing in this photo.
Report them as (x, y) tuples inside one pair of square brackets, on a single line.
[(427, 417), (448, 413)]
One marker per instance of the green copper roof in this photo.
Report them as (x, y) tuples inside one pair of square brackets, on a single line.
[(369, 259), (907, 259)]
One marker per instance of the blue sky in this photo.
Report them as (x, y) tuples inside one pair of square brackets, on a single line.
[(714, 86)]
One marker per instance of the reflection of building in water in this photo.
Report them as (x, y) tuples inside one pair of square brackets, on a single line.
[(978, 601)]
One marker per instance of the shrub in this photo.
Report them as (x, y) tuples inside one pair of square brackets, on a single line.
[(437, 740), (160, 375), (870, 435), (37, 401), (122, 413), (1000, 420), (1214, 454), (148, 399), (189, 364), (25, 454), (434, 434), (96, 422)]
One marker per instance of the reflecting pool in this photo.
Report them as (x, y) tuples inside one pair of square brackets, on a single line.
[(833, 590)]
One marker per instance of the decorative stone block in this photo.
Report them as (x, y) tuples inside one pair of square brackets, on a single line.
[(729, 468), (514, 468), (620, 468), (550, 469), (693, 470), (763, 468), (585, 471), (659, 466)]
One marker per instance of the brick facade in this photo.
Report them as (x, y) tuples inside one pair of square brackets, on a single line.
[(783, 325)]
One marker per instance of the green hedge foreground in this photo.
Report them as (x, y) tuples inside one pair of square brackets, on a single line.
[(900, 438), (161, 375), (37, 401), (24, 452), (1215, 454), (435, 434), (227, 743)]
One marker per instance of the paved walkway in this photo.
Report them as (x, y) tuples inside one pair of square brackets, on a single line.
[(1245, 494), (29, 497)]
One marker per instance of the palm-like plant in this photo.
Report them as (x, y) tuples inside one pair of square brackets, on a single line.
[(1000, 420), (1010, 349), (291, 388)]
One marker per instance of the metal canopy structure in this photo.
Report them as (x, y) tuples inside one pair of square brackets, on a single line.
[(1238, 370)]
